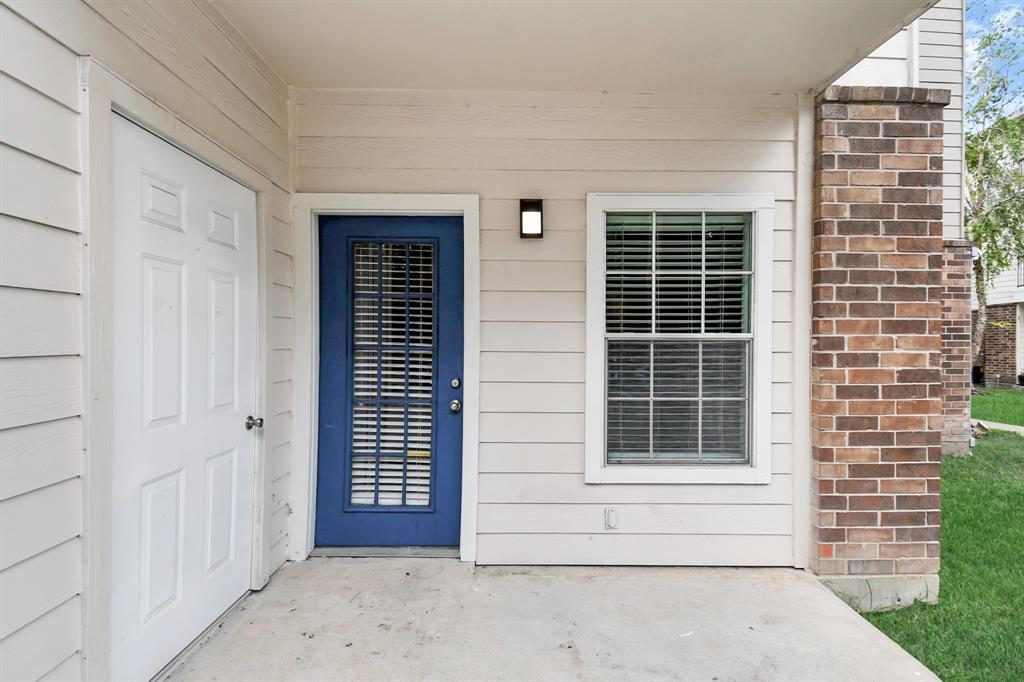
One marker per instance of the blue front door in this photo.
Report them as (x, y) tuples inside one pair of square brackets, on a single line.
[(390, 437)]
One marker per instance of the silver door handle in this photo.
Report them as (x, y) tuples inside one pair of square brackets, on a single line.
[(455, 405), (252, 421)]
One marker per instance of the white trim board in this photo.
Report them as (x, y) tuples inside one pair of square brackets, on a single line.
[(802, 283), (759, 471), (307, 208)]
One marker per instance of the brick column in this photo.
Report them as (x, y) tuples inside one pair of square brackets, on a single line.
[(876, 347), (956, 348)]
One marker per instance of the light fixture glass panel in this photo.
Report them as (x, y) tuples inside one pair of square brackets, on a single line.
[(531, 222)]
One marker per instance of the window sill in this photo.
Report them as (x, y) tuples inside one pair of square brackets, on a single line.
[(722, 475)]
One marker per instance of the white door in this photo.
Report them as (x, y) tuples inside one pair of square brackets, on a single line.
[(184, 382)]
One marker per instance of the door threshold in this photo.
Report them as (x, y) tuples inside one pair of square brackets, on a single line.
[(366, 552)]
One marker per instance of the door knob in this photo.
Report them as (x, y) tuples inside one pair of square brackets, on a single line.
[(455, 405), (252, 421)]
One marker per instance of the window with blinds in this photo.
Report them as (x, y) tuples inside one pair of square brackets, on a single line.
[(678, 337)]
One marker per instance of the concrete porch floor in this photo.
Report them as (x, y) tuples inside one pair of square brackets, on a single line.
[(438, 619)]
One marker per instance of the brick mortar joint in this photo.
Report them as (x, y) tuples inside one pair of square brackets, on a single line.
[(868, 94)]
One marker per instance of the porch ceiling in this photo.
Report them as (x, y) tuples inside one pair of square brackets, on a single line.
[(705, 46)]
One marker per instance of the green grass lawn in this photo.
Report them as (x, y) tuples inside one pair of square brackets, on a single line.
[(1003, 405), (976, 631)]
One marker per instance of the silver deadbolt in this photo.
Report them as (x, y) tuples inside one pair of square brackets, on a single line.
[(252, 421), (455, 405), (456, 382)]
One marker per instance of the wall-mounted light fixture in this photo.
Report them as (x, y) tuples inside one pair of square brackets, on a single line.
[(531, 218)]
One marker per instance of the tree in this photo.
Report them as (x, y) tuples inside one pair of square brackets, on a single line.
[(994, 149)]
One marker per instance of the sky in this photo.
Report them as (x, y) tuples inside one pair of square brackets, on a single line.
[(981, 16)]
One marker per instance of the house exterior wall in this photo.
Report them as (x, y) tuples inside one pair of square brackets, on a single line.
[(40, 345), (1006, 287), (940, 65), (929, 53), (1003, 348), (893, 63), (187, 59), (504, 146), (534, 506), (1000, 353)]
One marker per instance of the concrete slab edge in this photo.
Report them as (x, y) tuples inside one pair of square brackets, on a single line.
[(883, 592), (1001, 427)]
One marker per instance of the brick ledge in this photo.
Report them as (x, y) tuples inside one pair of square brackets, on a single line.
[(886, 95)]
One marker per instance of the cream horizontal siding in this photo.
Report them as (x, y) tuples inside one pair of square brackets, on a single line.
[(941, 40), (534, 506), (40, 347), (890, 64), (186, 57), (639, 519), (939, 64), (644, 550), (1003, 289), (280, 371), (178, 53)]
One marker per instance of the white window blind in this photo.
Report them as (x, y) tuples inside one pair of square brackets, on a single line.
[(678, 337)]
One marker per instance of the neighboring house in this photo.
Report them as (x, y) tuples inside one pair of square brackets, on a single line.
[(741, 338), (1002, 352)]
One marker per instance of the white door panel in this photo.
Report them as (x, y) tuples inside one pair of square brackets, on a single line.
[(185, 297)]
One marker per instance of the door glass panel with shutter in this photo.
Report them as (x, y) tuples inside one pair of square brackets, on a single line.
[(390, 437)]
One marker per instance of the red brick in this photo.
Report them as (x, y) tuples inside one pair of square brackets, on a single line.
[(870, 534), (917, 502), (859, 519), (904, 162), (866, 502), (857, 326), (878, 407), (903, 518), (856, 454), (873, 178), (872, 111), (857, 551), (898, 359), (857, 486), (902, 485), (872, 244), (902, 423), (919, 146)]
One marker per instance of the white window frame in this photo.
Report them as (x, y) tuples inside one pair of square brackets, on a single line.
[(758, 470)]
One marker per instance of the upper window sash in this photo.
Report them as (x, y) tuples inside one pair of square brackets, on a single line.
[(688, 272)]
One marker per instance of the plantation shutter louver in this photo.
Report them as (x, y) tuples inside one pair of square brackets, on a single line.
[(678, 337)]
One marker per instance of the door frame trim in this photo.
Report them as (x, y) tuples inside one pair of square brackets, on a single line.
[(307, 209), (104, 95)]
